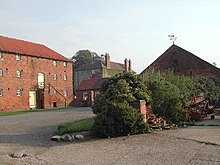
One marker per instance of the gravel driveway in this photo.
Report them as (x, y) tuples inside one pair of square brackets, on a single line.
[(185, 146)]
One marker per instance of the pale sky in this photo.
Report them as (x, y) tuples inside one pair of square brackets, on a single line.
[(133, 29)]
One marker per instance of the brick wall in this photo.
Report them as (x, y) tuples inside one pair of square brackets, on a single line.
[(30, 67), (185, 63)]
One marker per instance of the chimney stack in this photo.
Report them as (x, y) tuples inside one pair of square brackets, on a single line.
[(129, 66), (107, 60), (126, 65)]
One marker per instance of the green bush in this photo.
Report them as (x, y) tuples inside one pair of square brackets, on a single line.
[(113, 107), (169, 95)]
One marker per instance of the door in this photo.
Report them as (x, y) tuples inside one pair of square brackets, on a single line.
[(32, 100)]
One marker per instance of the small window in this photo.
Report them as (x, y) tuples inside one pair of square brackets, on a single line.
[(54, 76), (18, 57), (1, 92), (65, 77), (54, 63), (1, 73), (18, 73), (54, 92), (18, 92), (85, 95), (64, 63), (93, 71), (1, 56), (65, 93)]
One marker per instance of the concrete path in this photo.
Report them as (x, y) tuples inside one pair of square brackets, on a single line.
[(185, 146)]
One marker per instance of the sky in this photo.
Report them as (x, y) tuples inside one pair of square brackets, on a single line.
[(132, 29)]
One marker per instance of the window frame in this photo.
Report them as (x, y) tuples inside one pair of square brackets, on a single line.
[(54, 63), (85, 96), (65, 64), (18, 73), (65, 77), (65, 93), (18, 92), (18, 57), (1, 72), (1, 92), (54, 76)]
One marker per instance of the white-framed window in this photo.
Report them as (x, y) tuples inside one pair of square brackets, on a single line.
[(65, 64), (65, 77), (1, 92), (85, 95), (54, 92), (18, 57), (1, 56), (54, 76), (18, 92), (1, 72), (65, 93), (54, 63), (93, 71), (18, 73)]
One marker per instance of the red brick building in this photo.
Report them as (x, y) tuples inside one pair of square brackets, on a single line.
[(100, 69), (33, 76), (182, 62), (87, 91), (88, 78)]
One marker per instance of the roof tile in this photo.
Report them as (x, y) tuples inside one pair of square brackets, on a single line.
[(12, 45)]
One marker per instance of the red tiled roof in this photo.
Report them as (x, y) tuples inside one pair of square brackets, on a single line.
[(11, 45), (91, 84)]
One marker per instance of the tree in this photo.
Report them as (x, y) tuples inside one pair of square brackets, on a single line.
[(115, 115), (84, 57), (208, 87), (169, 94)]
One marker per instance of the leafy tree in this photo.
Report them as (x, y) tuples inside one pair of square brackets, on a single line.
[(113, 106), (84, 57), (208, 87), (169, 94)]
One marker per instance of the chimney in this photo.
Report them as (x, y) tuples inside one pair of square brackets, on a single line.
[(107, 60), (129, 66), (126, 64)]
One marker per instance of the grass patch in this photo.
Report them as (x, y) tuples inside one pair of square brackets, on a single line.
[(76, 126), (33, 110)]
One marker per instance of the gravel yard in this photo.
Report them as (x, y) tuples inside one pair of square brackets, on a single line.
[(31, 132)]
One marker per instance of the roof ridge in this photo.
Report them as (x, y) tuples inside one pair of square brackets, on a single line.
[(22, 40)]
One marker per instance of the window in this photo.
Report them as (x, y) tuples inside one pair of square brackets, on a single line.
[(18, 73), (18, 57), (1, 92), (1, 56), (54, 63), (54, 92), (18, 92), (54, 77), (64, 63), (1, 73), (65, 93), (85, 95), (93, 71), (65, 77)]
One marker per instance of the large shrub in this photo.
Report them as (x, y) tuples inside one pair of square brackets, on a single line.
[(115, 115), (208, 87), (169, 94)]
